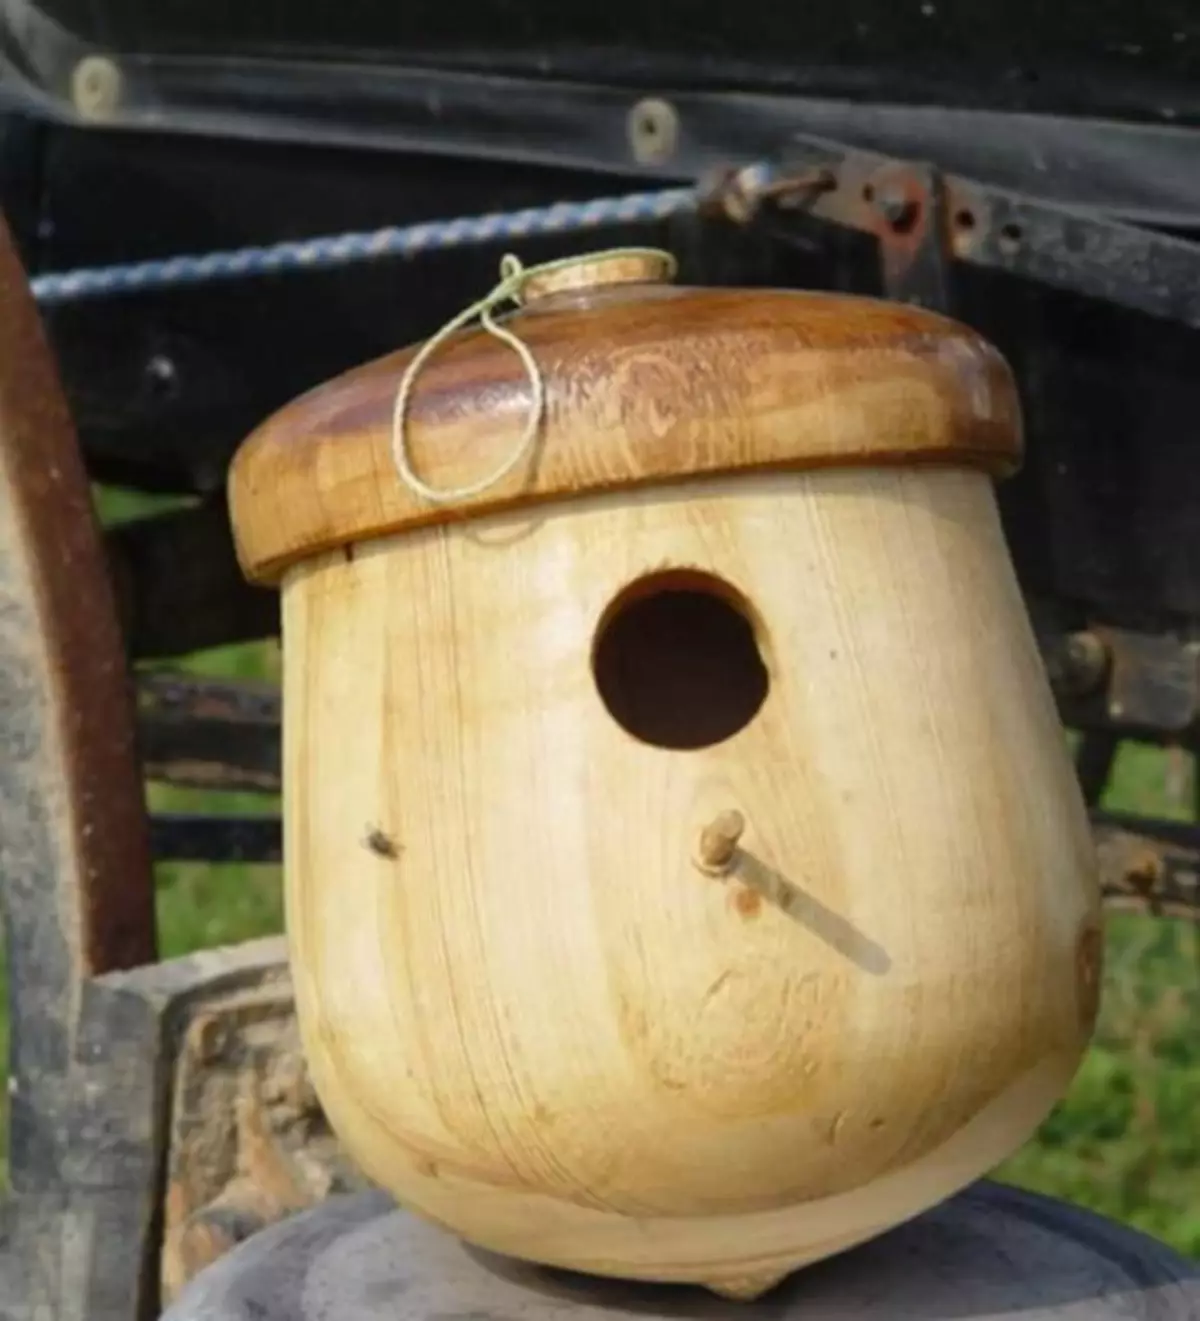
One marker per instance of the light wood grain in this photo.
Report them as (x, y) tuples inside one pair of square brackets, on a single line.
[(535, 1019), (989, 1254), (644, 384)]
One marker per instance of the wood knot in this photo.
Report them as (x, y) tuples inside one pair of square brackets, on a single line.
[(718, 846)]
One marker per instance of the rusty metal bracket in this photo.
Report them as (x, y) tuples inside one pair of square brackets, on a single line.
[(1127, 684), (902, 205), (1154, 681), (906, 211), (974, 223)]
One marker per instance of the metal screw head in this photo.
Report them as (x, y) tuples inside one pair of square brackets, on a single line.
[(96, 85), (162, 376), (1088, 657), (653, 129), (1076, 665)]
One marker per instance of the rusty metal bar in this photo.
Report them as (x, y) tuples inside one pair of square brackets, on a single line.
[(75, 860), (74, 834)]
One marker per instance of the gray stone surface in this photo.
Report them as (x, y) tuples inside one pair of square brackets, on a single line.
[(990, 1253)]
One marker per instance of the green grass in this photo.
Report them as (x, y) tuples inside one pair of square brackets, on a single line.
[(201, 906), (1124, 1141)]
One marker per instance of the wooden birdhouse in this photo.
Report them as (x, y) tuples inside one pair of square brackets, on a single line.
[(685, 875)]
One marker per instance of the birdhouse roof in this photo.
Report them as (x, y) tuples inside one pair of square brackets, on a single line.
[(640, 382)]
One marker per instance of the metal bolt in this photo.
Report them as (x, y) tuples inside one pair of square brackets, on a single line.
[(1087, 658), (653, 128), (1077, 664), (96, 85)]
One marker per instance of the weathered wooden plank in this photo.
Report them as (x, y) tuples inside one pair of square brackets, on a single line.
[(209, 734), (103, 1211), (248, 1142), (1149, 866)]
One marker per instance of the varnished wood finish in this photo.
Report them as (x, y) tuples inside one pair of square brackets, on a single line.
[(537, 1021), (645, 384)]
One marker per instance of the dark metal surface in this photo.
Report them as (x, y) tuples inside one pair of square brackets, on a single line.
[(1095, 758), (1136, 170), (960, 36), (1154, 682), (1127, 684), (292, 68)]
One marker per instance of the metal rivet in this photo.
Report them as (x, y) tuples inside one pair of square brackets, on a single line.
[(653, 127), (96, 85)]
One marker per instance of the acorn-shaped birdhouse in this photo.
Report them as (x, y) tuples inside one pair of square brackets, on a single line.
[(685, 875)]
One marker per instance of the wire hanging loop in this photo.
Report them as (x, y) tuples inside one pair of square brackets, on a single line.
[(513, 278)]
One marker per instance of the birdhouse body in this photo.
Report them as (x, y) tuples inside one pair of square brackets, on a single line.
[(535, 1007)]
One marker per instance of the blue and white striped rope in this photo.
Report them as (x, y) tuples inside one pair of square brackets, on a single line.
[(346, 249)]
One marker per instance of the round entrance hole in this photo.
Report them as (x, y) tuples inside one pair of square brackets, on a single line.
[(676, 660)]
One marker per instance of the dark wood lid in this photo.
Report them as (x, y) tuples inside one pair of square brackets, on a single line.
[(644, 382)]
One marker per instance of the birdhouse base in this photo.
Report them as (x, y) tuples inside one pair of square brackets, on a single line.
[(992, 1252)]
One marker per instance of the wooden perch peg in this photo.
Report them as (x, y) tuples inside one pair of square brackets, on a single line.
[(719, 843)]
